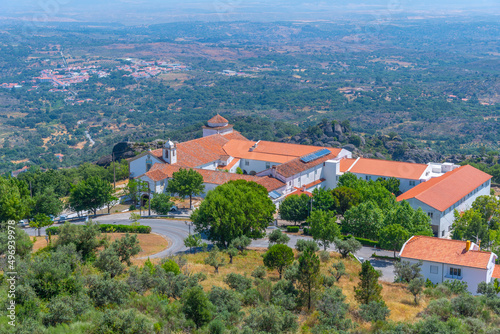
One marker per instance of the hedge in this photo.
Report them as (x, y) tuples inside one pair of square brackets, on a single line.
[(364, 242), (124, 228), (54, 230), (292, 229), (307, 231)]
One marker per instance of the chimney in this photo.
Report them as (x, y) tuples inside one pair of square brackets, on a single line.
[(304, 188), (467, 245)]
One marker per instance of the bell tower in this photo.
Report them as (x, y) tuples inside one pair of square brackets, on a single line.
[(170, 152)]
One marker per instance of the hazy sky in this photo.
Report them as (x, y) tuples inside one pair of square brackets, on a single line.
[(152, 11)]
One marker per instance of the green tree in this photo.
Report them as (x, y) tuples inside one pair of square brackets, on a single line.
[(193, 241), (416, 286), (323, 200), (235, 209), (392, 184), (186, 182), (40, 221), (295, 208), (278, 237), (324, 227), (332, 312), (364, 220), (470, 225), (278, 257), (14, 202), (308, 274), (23, 244), (126, 247), (239, 170), (345, 198), (215, 259), (416, 222), (374, 311), (47, 203), (489, 208), (134, 189), (91, 194), (368, 288), (109, 262), (196, 306), (161, 204), (405, 271), (346, 246), (87, 238), (393, 237)]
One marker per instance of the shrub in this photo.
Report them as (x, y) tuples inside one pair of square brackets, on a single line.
[(109, 261), (259, 272), (216, 326), (278, 237), (278, 257), (332, 312), (456, 287), (367, 242), (196, 306), (125, 228), (439, 307), (324, 256), (105, 291), (271, 319), (118, 321), (303, 245), (349, 245), (374, 311), (53, 230), (225, 300), (307, 230), (171, 266), (292, 229), (284, 294), (466, 305), (251, 297), (405, 271), (238, 282)]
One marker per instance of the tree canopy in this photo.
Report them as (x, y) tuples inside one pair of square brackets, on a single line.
[(237, 208), (186, 183), (295, 208)]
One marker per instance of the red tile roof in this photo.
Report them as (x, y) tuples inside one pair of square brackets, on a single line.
[(234, 135), (231, 164), (162, 171), (296, 165), (218, 119), (218, 127), (201, 151), (496, 272), (298, 192), (444, 251), (345, 164), (312, 184), (385, 168), (444, 191)]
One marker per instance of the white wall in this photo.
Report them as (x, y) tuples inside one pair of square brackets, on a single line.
[(138, 166), (442, 221), (255, 165), (473, 276)]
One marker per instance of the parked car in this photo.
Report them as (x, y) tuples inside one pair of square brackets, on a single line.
[(174, 209), (63, 218), (22, 223)]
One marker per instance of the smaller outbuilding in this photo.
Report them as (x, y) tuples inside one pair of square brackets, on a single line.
[(444, 259)]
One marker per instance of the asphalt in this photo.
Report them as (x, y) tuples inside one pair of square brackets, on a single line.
[(176, 230)]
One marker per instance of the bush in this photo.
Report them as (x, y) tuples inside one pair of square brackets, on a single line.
[(225, 301), (238, 282), (292, 229), (53, 230), (374, 311), (367, 242), (251, 297), (307, 230), (196, 306), (456, 287), (117, 321), (271, 319), (259, 272), (324, 256), (466, 305), (216, 326), (303, 245), (125, 228), (171, 266), (440, 307)]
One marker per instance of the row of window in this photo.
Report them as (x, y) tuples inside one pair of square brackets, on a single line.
[(453, 272)]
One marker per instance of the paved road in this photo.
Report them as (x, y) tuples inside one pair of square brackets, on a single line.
[(177, 230)]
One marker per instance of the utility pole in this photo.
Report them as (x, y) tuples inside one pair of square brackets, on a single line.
[(149, 200), (114, 169)]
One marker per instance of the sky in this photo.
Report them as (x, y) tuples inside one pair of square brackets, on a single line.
[(156, 11)]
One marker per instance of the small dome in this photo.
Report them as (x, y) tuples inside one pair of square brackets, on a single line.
[(169, 144)]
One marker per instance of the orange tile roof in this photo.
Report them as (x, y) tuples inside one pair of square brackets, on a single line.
[(345, 164), (231, 164), (269, 151), (296, 165), (162, 171), (270, 183), (218, 127), (387, 168), (218, 119), (444, 251), (496, 272), (201, 151), (234, 135), (312, 184), (444, 191), (298, 192)]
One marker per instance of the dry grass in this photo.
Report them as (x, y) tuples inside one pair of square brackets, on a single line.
[(397, 298), (150, 243)]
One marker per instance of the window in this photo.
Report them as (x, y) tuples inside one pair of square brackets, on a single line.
[(412, 183), (434, 269), (455, 272), (268, 165), (430, 214), (367, 177), (442, 233), (247, 163), (148, 167)]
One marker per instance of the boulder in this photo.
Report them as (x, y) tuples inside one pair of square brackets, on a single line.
[(349, 147), (337, 131)]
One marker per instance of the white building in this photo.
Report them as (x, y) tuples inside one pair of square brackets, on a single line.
[(441, 196), (291, 168), (444, 259)]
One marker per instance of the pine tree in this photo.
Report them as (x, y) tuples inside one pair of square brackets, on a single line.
[(368, 289)]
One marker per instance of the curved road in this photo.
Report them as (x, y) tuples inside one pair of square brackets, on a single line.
[(177, 230)]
